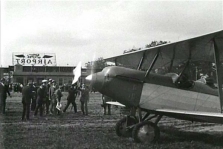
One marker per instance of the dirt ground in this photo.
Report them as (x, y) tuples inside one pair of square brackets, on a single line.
[(96, 131)]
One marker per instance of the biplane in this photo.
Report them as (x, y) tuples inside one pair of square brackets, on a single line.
[(165, 81)]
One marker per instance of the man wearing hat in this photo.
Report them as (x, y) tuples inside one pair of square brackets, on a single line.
[(58, 94), (4, 90), (41, 94), (105, 105), (84, 99), (26, 100), (52, 97), (47, 99), (72, 94), (34, 92)]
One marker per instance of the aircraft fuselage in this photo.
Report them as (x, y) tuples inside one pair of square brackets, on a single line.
[(131, 88)]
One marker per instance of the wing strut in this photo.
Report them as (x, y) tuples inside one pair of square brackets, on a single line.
[(171, 63), (152, 64), (141, 61), (218, 70), (116, 64)]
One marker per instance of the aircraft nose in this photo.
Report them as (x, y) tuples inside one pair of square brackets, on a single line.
[(89, 78), (96, 81)]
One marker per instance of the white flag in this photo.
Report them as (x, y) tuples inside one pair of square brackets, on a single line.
[(77, 73)]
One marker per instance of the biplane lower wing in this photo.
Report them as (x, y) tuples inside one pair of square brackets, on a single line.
[(191, 115)]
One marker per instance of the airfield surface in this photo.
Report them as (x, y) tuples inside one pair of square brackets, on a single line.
[(75, 131)]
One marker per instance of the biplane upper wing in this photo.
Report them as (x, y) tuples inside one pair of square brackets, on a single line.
[(205, 48), (195, 49)]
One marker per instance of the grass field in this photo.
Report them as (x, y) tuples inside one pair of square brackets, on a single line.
[(75, 131)]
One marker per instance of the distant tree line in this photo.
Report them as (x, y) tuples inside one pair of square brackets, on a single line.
[(97, 65), (156, 43), (152, 44), (100, 63)]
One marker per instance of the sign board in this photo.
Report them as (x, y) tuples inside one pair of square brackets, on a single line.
[(34, 59)]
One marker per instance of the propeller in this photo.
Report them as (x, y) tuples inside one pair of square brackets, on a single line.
[(89, 78)]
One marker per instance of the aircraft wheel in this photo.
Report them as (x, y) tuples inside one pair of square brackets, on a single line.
[(121, 127), (146, 132)]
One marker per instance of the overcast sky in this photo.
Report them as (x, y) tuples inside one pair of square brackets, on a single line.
[(84, 30)]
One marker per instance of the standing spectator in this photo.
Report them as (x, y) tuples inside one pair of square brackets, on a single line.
[(15, 87), (66, 87), (26, 100), (84, 99), (105, 105), (59, 94), (72, 94), (20, 87), (52, 97), (47, 99), (34, 95), (10, 87), (1, 95), (41, 94), (4, 90)]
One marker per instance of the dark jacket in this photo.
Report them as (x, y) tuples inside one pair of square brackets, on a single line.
[(52, 93), (47, 89), (84, 95), (41, 93), (4, 91), (72, 93), (26, 94), (105, 99), (58, 93)]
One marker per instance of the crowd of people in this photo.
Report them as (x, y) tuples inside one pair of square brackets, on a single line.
[(46, 99)]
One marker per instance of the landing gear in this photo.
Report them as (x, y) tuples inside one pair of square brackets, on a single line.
[(146, 131), (141, 129), (124, 126)]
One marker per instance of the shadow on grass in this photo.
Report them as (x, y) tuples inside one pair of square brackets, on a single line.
[(171, 134)]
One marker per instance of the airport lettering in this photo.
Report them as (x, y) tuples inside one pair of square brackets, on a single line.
[(24, 61)]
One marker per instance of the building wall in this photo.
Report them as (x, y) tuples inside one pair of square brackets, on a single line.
[(62, 75), (4, 72)]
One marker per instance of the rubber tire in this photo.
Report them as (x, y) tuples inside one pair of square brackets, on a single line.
[(119, 124), (138, 126)]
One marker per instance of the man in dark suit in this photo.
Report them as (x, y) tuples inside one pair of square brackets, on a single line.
[(26, 100), (72, 93), (52, 97), (84, 99), (105, 105), (46, 103), (41, 95), (4, 90), (34, 93)]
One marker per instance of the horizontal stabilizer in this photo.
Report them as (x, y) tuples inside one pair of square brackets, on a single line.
[(115, 103)]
